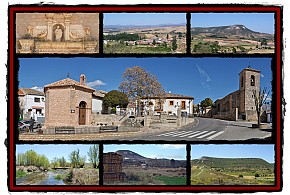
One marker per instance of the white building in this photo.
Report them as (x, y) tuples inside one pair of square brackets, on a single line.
[(169, 104), (31, 103), (97, 101)]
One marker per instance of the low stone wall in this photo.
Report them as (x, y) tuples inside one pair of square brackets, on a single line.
[(92, 129), (98, 119), (226, 115)]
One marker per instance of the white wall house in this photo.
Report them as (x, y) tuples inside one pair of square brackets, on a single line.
[(31, 103), (170, 104), (97, 101)]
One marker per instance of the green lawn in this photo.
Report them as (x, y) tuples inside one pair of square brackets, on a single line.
[(172, 180)]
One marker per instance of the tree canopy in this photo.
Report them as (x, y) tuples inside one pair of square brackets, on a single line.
[(115, 98), (206, 102), (93, 154), (138, 83), (174, 43)]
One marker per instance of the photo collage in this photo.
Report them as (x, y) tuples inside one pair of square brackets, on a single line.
[(145, 98)]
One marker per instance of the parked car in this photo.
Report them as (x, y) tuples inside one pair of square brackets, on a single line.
[(36, 124), (22, 126)]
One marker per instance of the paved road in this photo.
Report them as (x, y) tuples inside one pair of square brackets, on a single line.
[(212, 129)]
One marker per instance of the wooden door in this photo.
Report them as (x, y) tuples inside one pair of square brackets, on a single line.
[(82, 113)]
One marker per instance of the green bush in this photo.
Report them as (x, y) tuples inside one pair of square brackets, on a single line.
[(20, 174)]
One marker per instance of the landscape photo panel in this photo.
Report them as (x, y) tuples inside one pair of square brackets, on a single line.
[(212, 99), (237, 33), (144, 164), (57, 164), (155, 33), (232, 164)]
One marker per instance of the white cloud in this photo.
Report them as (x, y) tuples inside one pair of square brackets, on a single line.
[(262, 76), (203, 74), (41, 89), (173, 146), (96, 83)]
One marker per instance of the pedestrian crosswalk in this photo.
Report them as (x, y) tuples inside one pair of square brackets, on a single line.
[(192, 134)]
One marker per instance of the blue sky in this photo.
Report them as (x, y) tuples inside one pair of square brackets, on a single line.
[(260, 22), (144, 18), (196, 77), (169, 151), (265, 152), (54, 150)]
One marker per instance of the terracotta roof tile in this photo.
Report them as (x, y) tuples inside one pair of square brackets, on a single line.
[(29, 91), (67, 82)]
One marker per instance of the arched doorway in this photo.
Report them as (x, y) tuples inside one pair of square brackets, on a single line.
[(82, 113)]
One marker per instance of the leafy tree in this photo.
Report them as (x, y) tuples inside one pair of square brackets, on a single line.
[(260, 99), (179, 34), (257, 175), (115, 98), (93, 155), (138, 83), (167, 36), (234, 50), (205, 103), (263, 42), (74, 157), (174, 43)]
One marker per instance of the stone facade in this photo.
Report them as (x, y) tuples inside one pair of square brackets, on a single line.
[(57, 32), (68, 103), (240, 104)]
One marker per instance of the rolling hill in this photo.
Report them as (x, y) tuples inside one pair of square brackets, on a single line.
[(232, 163), (132, 158), (229, 31)]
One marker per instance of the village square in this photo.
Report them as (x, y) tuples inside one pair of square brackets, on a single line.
[(140, 109)]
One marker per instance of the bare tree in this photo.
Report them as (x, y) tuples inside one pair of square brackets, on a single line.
[(138, 83), (260, 99)]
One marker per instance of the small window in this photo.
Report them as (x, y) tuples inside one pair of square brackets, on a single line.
[(183, 105), (171, 103), (252, 80), (242, 81), (36, 99)]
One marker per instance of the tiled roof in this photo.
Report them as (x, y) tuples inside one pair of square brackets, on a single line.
[(67, 82), (20, 92), (29, 91), (99, 93), (172, 95)]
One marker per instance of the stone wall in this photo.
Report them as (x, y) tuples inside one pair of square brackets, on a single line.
[(62, 107), (98, 119), (40, 28)]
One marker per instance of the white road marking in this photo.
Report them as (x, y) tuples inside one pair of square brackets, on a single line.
[(215, 135), (207, 134), (197, 134)]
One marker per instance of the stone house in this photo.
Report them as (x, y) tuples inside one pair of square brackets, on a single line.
[(68, 103), (240, 104), (57, 32), (169, 104), (31, 103)]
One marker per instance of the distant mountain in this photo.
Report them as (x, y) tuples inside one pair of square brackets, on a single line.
[(232, 163), (127, 154), (132, 158), (228, 31)]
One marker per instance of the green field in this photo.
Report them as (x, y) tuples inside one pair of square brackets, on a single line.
[(172, 180), (122, 48)]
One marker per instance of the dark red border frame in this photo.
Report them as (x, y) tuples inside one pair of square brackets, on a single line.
[(145, 8)]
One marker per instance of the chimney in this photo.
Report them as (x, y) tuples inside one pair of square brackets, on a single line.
[(83, 79)]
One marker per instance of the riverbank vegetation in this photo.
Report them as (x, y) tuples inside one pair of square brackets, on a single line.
[(37, 169)]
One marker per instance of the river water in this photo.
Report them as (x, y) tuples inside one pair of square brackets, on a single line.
[(43, 178)]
